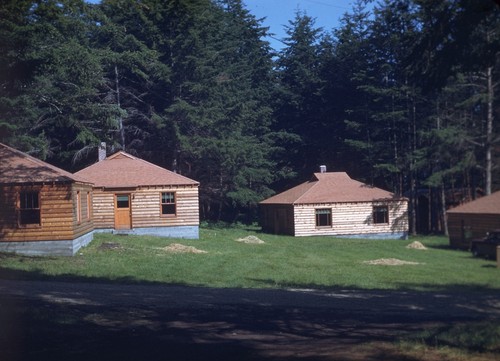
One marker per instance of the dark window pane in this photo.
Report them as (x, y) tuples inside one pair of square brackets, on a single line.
[(29, 208), (122, 201), (168, 209), (323, 217), (28, 200), (168, 203), (29, 216), (381, 214)]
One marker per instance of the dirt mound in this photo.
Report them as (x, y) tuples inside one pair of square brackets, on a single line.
[(250, 240), (390, 262), (416, 245), (110, 245), (180, 248)]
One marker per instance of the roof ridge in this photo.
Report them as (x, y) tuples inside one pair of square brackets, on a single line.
[(485, 204), (120, 152), (45, 165), (161, 168), (330, 187), (316, 182), (29, 157), (135, 171), (128, 155), (322, 177)]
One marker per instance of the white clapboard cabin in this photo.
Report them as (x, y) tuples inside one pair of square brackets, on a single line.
[(44, 210), (333, 204), (134, 196)]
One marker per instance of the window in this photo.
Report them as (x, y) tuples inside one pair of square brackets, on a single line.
[(89, 205), (29, 208), (323, 217), (78, 207), (168, 204), (380, 214), (122, 201)]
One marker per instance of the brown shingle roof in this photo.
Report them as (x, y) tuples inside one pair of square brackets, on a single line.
[(122, 170), (484, 205), (17, 167), (331, 187)]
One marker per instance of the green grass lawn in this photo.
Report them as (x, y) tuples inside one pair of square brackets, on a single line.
[(290, 262), (280, 262)]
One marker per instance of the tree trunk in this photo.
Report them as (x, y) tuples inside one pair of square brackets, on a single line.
[(413, 167), (413, 207), (443, 210), (489, 130), (121, 130)]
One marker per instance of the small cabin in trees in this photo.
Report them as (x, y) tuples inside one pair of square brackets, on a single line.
[(134, 196), (333, 204), (473, 219), (44, 210)]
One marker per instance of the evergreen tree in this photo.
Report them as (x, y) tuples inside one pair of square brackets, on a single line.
[(299, 104), (346, 73), (16, 107), (190, 85), (446, 159), (218, 114), (463, 37), (135, 79), (385, 115), (52, 92)]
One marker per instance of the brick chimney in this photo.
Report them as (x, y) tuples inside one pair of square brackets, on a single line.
[(101, 152)]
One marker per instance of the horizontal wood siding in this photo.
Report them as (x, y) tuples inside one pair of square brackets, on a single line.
[(57, 212), (103, 208), (8, 215), (350, 219), (86, 224), (463, 227), (146, 207)]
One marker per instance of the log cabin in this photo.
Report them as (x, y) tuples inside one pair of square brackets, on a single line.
[(44, 210), (473, 219), (333, 204), (133, 196)]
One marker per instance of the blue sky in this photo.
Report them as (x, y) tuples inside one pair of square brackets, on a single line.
[(278, 13)]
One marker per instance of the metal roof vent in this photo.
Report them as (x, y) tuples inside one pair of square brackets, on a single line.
[(322, 168)]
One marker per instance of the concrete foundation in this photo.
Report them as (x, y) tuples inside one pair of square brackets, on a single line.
[(48, 248), (188, 232)]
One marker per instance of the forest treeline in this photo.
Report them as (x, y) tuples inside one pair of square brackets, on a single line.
[(403, 95)]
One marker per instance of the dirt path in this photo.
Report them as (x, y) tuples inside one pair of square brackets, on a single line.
[(84, 321)]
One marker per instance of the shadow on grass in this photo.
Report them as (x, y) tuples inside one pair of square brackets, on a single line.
[(409, 288), (445, 247), (466, 254), (79, 318), (20, 275), (479, 337)]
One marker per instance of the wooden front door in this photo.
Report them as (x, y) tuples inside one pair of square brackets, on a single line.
[(123, 219)]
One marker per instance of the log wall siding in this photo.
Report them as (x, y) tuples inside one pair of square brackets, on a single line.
[(463, 227), (86, 224), (351, 219), (146, 207), (58, 208), (103, 209)]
